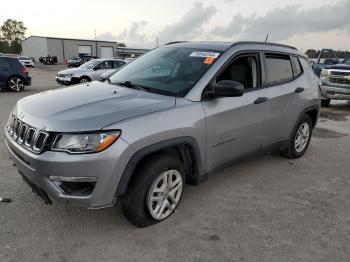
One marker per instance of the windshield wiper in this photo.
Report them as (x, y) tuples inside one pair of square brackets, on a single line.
[(131, 85)]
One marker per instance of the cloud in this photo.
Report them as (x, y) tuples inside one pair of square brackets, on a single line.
[(229, 1), (282, 23), (134, 35), (190, 26)]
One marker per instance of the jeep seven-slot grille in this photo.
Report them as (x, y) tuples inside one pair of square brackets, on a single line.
[(27, 136)]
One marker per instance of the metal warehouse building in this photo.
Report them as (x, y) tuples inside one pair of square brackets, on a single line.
[(64, 48)]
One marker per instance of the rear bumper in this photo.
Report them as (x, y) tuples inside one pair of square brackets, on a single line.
[(105, 168), (335, 92)]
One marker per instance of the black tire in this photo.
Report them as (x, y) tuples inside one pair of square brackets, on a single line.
[(84, 79), (134, 202), (325, 102), (291, 150), (16, 84)]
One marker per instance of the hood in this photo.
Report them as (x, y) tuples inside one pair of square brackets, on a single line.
[(88, 107), (339, 66), (73, 70)]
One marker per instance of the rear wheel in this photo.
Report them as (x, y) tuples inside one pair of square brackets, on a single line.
[(300, 139), (155, 190), (15, 84), (325, 102)]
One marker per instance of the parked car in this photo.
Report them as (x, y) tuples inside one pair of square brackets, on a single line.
[(74, 61), (87, 72), (142, 137), (50, 60), (26, 61), (335, 82), (106, 75), (13, 75)]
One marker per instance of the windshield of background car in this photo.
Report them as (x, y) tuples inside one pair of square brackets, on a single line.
[(24, 58), (347, 60), (168, 70), (90, 64)]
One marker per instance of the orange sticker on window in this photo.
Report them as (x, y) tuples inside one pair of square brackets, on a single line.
[(208, 60)]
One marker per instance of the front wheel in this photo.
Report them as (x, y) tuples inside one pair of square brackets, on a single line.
[(84, 79), (300, 139), (15, 84), (155, 190)]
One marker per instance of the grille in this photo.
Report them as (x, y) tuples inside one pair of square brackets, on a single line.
[(340, 77), (27, 136)]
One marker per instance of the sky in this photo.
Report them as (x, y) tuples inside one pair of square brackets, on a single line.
[(139, 23)]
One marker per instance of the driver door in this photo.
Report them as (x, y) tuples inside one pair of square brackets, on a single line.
[(236, 126), (101, 68)]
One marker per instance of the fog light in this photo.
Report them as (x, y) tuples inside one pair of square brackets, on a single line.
[(89, 179)]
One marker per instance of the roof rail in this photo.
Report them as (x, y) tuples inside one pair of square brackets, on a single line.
[(175, 42), (263, 43)]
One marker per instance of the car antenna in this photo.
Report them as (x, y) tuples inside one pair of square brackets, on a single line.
[(267, 37)]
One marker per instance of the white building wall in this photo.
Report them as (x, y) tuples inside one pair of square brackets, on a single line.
[(35, 46)]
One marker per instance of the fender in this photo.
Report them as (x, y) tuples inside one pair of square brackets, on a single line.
[(129, 170)]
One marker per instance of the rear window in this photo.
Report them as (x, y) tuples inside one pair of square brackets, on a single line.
[(297, 67), (4, 63), (279, 68)]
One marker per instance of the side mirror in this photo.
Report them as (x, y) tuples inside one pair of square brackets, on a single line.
[(227, 88)]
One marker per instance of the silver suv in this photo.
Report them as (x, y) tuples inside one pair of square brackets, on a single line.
[(87, 72), (170, 117)]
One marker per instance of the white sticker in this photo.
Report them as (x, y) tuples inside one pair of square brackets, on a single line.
[(204, 54)]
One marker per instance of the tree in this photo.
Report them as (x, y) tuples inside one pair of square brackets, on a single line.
[(13, 32), (311, 53), (121, 44)]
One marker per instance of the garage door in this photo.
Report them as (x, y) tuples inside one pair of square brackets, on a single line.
[(106, 51), (85, 49)]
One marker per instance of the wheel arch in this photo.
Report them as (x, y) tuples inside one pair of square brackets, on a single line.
[(187, 150)]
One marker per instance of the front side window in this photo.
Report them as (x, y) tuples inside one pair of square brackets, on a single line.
[(279, 68), (168, 70), (244, 69), (347, 60), (105, 65), (90, 64)]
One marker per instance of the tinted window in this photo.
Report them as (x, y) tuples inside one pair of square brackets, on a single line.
[(4, 63), (105, 65), (297, 67), (118, 64), (279, 69)]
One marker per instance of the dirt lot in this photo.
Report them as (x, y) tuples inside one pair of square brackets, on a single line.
[(264, 209)]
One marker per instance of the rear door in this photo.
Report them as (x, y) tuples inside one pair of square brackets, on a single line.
[(5, 71), (236, 125), (284, 76)]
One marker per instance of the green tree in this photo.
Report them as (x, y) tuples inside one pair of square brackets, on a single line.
[(121, 44), (12, 32)]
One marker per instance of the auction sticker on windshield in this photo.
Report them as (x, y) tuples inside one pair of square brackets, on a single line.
[(205, 54)]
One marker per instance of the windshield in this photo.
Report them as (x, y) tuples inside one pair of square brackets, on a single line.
[(347, 60), (90, 64), (167, 70), (24, 58)]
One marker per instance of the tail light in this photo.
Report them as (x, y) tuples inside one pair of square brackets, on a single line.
[(25, 70)]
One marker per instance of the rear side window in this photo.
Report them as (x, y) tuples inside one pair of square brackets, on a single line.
[(4, 63), (298, 70), (279, 68)]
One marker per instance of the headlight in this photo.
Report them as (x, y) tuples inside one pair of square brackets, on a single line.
[(79, 143), (324, 75), (70, 75)]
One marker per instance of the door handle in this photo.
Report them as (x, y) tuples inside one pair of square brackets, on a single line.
[(260, 100), (299, 90)]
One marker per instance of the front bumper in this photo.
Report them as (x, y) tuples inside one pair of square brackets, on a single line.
[(64, 80), (105, 167), (337, 92)]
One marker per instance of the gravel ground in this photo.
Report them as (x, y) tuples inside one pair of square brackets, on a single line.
[(264, 209)]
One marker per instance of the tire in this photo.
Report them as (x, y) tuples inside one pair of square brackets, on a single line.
[(325, 102), (84, 79), (300, 139), (150, 181), (15, 84)]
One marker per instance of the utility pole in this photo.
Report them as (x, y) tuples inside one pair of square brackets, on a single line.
[(267, 37)]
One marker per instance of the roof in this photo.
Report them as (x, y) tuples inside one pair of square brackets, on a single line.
[(88, 40), (223, 46)]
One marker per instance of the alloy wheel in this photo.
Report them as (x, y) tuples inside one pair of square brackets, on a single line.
[(302, 137), (165, 194), (16, 84)]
